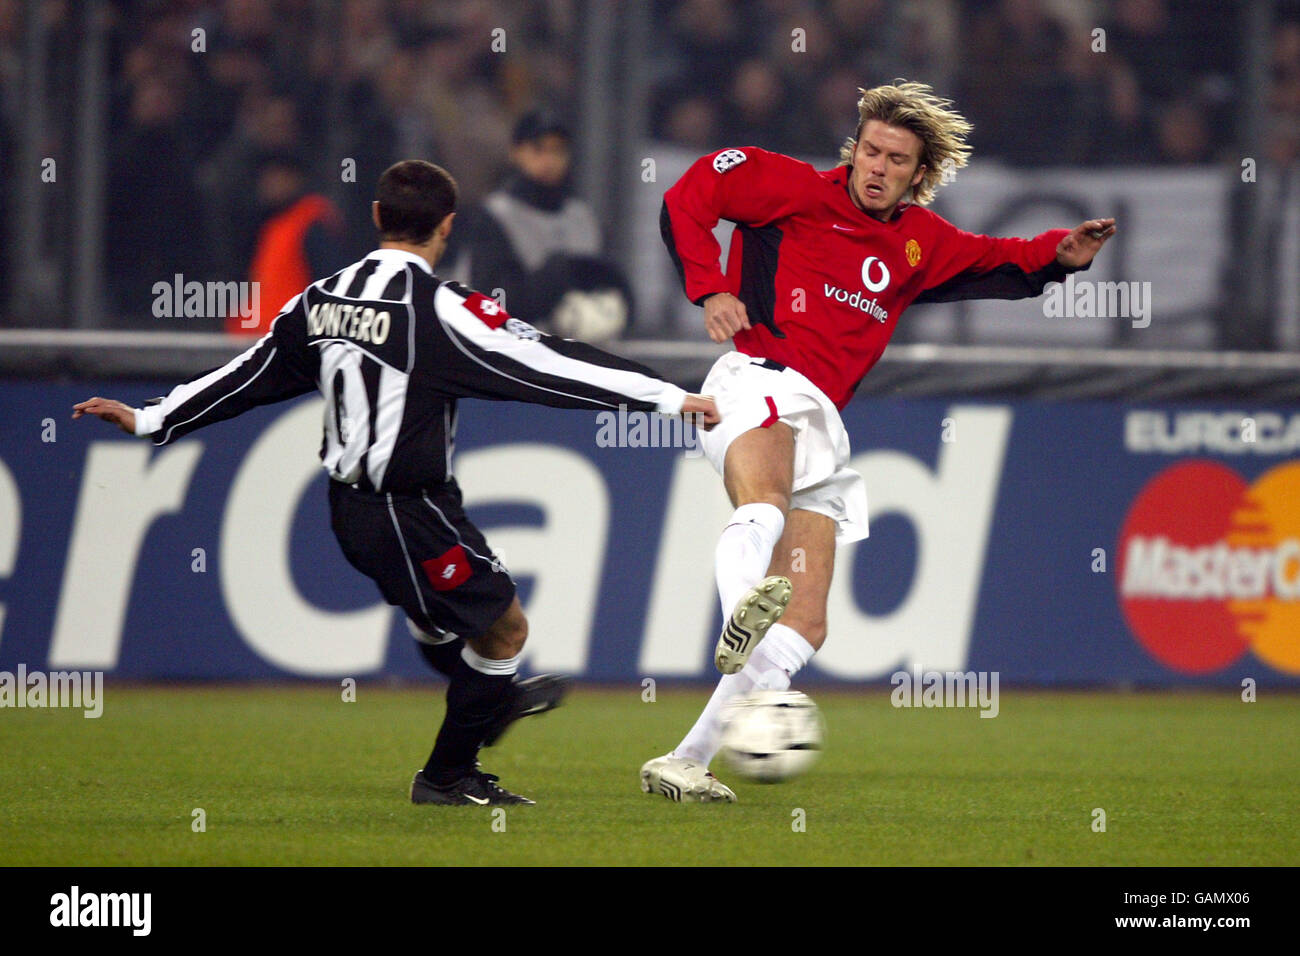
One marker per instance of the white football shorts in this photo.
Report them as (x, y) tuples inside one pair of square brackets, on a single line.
[(751, 394)]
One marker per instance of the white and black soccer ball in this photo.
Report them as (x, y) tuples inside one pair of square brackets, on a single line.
[(771, 735)]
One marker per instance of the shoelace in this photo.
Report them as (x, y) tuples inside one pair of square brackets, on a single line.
[(489, 781)]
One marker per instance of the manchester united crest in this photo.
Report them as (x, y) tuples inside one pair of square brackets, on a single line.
[(913, 250)]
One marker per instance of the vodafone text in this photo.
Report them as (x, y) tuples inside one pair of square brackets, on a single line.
[(857, 300)]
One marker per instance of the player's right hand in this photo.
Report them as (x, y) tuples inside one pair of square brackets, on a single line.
[(704, 410), (724, 316), (123, 416)]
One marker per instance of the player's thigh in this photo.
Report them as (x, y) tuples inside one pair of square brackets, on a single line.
[(759, 466), (426, 557), (806, 555)]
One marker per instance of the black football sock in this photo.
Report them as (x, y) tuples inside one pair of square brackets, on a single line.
[(442, 657), (474, 701)]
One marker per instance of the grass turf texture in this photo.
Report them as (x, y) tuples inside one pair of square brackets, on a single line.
[(292, 775)]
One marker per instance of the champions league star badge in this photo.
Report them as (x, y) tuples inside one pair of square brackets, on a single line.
[(728, 159)]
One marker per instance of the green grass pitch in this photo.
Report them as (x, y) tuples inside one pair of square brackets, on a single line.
[(293, 775)]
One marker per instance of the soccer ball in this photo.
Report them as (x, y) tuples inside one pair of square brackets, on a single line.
[(771, 735)]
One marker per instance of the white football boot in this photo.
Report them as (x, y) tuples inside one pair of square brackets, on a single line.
[(683, 781), (758, 609)]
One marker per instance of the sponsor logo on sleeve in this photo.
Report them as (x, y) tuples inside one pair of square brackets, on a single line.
[(489, 311), (522, 330)]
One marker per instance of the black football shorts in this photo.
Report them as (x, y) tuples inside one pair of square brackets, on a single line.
[(425, 555)]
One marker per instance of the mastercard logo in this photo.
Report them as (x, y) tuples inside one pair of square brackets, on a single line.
[(1209, 567)]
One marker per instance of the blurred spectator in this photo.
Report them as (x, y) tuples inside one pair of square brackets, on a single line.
[(154, 223), (1183, 135), (756, 111), (835, 113), (300, 241), (1108, 123), (460, 100), (535, 241), (707, 36), (1014, 85), (687, 119), (387, 123), (266, 124), (1284, 98)]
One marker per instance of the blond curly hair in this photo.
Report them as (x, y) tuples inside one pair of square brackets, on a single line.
[(916, 107)]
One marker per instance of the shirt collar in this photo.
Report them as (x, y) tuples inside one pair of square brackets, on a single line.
[(401, 255)]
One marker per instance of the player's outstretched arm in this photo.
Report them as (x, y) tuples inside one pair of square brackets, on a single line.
[(970, 266), (1083, 242), (120, 414), (271, 370), (484, 352)]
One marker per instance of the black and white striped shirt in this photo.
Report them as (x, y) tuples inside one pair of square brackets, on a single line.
[(392, 347)]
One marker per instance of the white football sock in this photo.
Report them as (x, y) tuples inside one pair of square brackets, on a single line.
[(745, 550), (505, 667), (778, 657)]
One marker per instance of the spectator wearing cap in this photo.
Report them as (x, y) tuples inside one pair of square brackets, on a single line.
[(301, 240), (535, 242)]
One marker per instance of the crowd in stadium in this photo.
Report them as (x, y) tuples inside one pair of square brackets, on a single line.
[(204, 144)]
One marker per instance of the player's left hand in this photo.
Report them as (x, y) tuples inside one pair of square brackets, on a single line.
[(1078, 248), (123, 416)]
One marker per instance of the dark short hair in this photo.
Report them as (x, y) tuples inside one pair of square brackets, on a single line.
[(538, 123), (414, 196)]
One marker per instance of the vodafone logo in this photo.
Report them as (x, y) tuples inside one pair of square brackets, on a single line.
[(1209, 567), (869, 265)]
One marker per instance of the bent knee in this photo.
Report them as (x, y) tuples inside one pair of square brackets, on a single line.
[(508, 634), (776, 499)]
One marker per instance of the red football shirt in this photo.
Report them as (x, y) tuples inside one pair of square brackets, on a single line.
[(823, 282)]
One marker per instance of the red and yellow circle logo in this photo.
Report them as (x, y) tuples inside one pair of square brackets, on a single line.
[(913, 252), (1209, 567)]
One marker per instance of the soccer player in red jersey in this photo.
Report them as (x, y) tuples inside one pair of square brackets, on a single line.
[(822, 264)]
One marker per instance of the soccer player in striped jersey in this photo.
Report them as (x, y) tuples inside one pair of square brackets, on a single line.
[(393, 348)]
